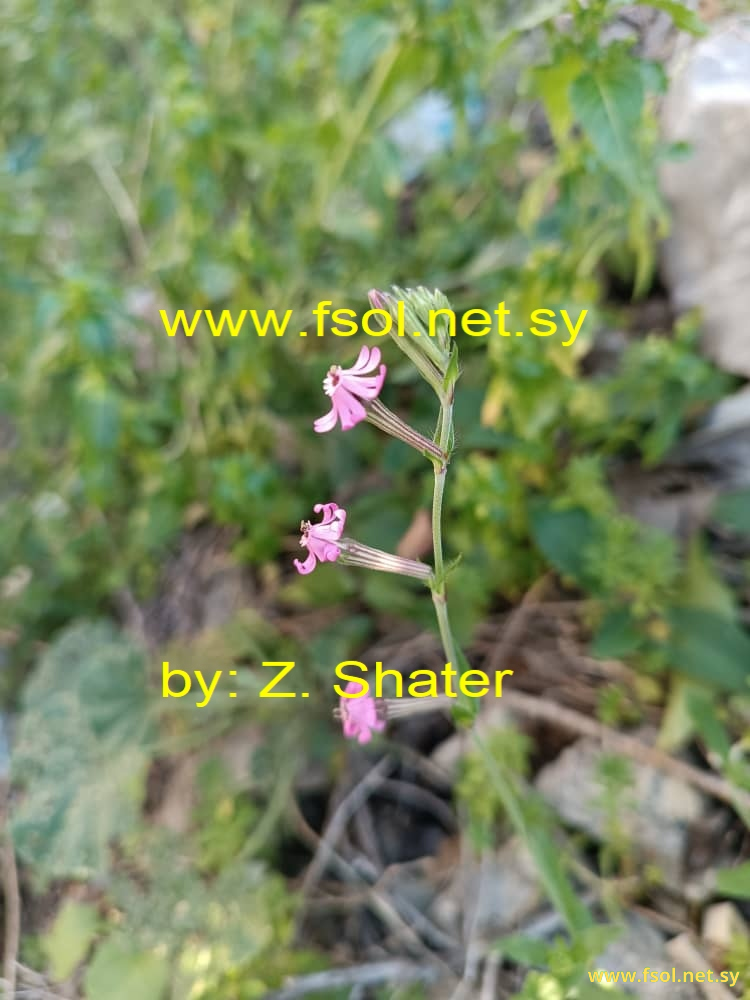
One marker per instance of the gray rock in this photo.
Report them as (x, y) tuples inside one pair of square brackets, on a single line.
[(496, 895), (655, 812), (706, 260), (642, 947)]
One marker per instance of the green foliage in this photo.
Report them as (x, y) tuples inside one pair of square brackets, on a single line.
[(734, 882), (70, 938), (733, 510), (223, 821), (231, 155), (118, 971), (83, 745), (566, 964), (202, 930), (496, 767)]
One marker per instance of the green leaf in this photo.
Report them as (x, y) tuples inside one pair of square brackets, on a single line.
[(734, 882), (562, 536), (709, 648), (524, 814), (69, 938), (524, 950), (120, 972), (532, 14), (82, 752), (702, 587), (617, 636), (677, 726), (535, 195), (733, 510), (551, 84), (607, 102), (703, 712)]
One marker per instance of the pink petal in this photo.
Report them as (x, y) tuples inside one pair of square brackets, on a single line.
[(323, 549), (364, 386), (326, 423), (350, 410), (331, 513), (308, 565), (368, 358)]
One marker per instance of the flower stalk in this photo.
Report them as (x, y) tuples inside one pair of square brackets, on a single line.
[(356, 554), (385, 420)]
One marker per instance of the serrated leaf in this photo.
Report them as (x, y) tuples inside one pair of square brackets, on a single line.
[(69, 938), (120, 972), (81, 752), (607, 102)]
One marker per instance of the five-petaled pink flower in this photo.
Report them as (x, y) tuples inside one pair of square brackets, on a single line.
[(320, 539), (360, 716), (347, 386)]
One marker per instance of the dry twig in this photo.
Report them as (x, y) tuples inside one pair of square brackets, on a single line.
[(372, 974), (11, 897), (543, 710)]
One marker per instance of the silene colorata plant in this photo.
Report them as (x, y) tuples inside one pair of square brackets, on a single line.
[(354, 397)]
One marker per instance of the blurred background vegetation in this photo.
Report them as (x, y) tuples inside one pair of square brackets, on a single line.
[(254, 155)]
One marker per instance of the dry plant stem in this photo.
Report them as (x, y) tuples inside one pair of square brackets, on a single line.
[(396, 971), (489, 979), (629, 746), (475, 947), (346, 808), (420, 798), (516, 626), (378, 901), (12, 899), (547, 711)]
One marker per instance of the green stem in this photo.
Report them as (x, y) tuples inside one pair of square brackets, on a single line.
[(540, 843), (445, 434)]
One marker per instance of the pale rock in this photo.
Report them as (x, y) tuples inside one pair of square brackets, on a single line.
[(494, 896), (722, 922), (683, 951), (655, 812), (706, 260), (642, 947)]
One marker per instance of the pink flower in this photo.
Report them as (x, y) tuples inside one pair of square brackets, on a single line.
[(360, 717), (346, 386), (320, 539)]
